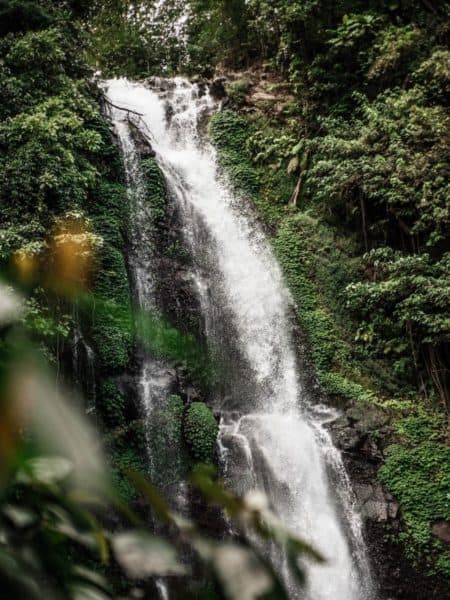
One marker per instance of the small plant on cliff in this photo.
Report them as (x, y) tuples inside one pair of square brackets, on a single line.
[(200, 430)]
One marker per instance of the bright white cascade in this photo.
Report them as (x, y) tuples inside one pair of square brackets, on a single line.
[(271, 439)]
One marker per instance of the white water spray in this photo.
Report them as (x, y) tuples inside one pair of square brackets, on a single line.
[(270, 438)]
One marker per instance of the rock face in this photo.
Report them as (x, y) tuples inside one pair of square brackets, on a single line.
[(376, 504), (361, 432), (142, 145), (217, 89)]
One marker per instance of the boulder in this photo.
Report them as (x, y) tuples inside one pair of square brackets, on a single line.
[(375, 503), (351, 430), (441, 530), (367, 417)]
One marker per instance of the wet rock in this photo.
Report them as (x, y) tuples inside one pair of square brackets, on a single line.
[(353, 430), (217, 88), (202, 88), (441, 530), (160, 83), (347, 438), (146, 151), (367, 417), (143, 145), (371, 450), (375, 503), (192, 393)]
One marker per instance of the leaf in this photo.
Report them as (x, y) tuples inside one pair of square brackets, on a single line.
[(156, 501), (91, 577), (21, 517), (296, 149), (10, 305), (85, 592), (242, 575), (46, 470), (59, 430), (293, 165), (142, 555)]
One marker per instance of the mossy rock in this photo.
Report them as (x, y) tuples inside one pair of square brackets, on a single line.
[(170, 458), (200, 431)]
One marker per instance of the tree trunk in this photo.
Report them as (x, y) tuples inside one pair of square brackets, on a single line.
[(363, 222)]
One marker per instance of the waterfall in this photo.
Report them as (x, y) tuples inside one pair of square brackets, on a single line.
[(271, 438), (83, 365), (155, 379)]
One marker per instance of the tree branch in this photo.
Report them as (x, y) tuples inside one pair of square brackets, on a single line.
[(128, 110)]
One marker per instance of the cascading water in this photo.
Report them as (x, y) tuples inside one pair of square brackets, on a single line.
[(156, 376), (271, 439), (83, 364)]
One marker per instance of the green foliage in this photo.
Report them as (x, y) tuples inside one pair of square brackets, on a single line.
[(393, 52), (238, 90), (200, 431), (42, 323), (217, 31), (388, 168), (353, 28), (403, 313), (316, 270), (111, 328), (433, 74), (123, 461), (43, 164), (57, 159), (22, 15), (112, 403), (48, 152), (417, 473), (137, 38)]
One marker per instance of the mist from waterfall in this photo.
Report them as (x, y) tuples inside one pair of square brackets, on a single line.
[(271, 438)]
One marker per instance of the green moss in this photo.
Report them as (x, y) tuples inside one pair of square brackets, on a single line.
[(419, 477), (112, 279), (316, 271), (112, 402), (200, 431), (229, 133), (417, 472), (112, 327), (156, 190)]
